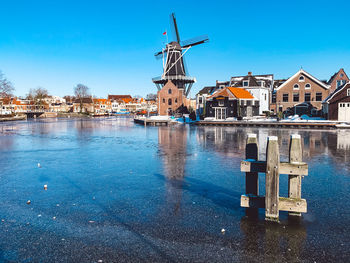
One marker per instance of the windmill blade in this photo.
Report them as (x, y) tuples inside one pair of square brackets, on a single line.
[(195, 41), (185, 66), (174, 29)]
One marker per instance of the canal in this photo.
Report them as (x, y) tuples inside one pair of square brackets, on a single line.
[(119, 192)]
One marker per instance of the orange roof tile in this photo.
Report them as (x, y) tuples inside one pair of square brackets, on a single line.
[(240, 93)]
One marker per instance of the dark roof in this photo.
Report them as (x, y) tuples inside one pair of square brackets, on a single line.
[(84, 100), (118, 97), (253, 80), (207, 90), (335, 91)]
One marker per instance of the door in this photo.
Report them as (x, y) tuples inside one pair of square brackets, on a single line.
[(344, 111), (249, 111), (220, 113)]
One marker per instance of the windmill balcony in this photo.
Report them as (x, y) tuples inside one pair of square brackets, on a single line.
[(176, 77)]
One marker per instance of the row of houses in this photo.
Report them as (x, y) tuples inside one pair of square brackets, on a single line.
[(113, 104), (252, 95)]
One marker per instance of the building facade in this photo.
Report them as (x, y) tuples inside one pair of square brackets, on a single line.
[(338, 79), (170, 98), (231, 102), (260, 86), (301, 87), (337, 105)]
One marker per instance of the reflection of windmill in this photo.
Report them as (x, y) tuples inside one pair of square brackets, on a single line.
[(174, 66)]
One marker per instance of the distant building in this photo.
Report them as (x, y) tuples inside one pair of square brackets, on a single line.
[(85, 105), (102, 106), (231, 102), (337, 105), (301, 87)]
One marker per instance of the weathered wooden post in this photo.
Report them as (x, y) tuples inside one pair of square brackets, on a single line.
[(252, 178), (272, 179), (294, 181), (272, 167)]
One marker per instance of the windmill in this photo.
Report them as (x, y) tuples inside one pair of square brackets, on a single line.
[(174, 65)]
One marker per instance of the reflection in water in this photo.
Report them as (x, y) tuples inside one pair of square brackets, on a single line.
[(277, 242), (172, 149)]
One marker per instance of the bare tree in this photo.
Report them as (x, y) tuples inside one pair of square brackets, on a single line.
[(6, 87), (38, 95), (81, 91)]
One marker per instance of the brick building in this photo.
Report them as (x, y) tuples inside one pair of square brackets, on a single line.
[(338, 79), (337, 105), (301, 87), (170, 98)]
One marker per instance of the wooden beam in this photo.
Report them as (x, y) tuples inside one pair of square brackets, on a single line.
[(285, 204), (295, 156), (252, 178), (272, 179), (250, 165)]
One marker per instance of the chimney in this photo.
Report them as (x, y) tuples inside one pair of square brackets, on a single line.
[(249, 73)]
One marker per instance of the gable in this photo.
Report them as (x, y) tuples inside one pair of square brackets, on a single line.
[(308, 78)]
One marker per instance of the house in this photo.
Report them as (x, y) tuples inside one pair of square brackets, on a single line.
[(102, 106), (201, 98), (170, 98), (338, 79), (301, 87), (260, 86), (84, 105), (231, 102), (337, 105)]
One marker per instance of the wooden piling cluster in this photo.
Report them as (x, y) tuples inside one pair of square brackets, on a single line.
[(272, 167)]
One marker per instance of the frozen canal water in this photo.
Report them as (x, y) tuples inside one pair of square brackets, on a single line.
[(118, 192)]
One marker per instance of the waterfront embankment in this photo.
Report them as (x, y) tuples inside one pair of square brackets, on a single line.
[(13, 118)]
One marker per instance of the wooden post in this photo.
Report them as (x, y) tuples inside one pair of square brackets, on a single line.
[(251, 178), (272, 179), (294, 181)]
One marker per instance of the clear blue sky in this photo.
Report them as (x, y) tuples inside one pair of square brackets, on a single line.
[(109, 45)]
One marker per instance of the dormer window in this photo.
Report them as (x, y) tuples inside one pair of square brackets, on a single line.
[(296, 86), (245, 83), (301, 78), (308, 86)]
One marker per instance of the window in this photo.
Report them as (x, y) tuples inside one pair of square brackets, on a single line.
[(265, 96), (296, 86), (175, 100), (245, 83), (341, 75), (169, 91), (273, 99), (301, 78), (285, 97), (318, 96), (169, 101), (348, 92), (248, 102), (221, 102), (163, 100), (200, 100), (308, 86), (295, 97), (307, 97)]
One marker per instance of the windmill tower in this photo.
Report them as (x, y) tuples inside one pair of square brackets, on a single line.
[(175, 72)]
